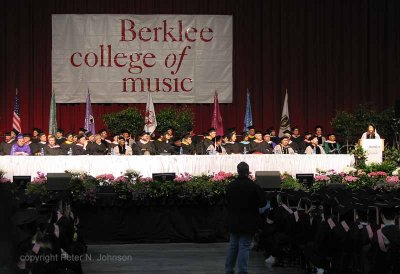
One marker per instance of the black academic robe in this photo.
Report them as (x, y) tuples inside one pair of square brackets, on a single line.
[(60, 141), (243, 146), (149, 146), (261, 147), (52, 151), (78, 149), (233, 148), (162, 146), (97, 149), (188, 149), (201, 148), (39, 147), (5, 148), (66, 146)]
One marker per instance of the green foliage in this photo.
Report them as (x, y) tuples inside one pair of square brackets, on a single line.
[(351, 125), (385, 166), (180, 119), (128, 119), (360, 157), (39, 190), (392, 154), (288, 182)]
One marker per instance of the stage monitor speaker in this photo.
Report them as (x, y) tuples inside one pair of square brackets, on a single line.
[(163, 176), (397, 109), (306, 179), (268, 180), (58, 181), (21, 181)]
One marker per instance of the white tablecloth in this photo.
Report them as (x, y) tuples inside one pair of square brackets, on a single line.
[(193, 164)]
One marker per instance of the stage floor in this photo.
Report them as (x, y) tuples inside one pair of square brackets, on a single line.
[(187, 258)]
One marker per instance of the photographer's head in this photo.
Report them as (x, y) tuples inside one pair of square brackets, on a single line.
[(243, 169)]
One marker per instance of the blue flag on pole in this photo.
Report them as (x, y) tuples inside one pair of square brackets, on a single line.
[(248, 117), (89, 119)]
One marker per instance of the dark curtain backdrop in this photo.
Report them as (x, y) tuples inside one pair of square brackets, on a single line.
[(329, 54)]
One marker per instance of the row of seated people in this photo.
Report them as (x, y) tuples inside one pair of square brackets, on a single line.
[(123, 144), (334, 231)]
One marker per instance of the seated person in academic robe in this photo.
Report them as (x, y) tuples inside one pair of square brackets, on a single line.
[(291, 144), (274, 138), (90, 142), (296, 137), (177, 145), (267, 139), (283, 147), (258, 146), (331, 146), (69, 142), (251, 131), (104, 134), (98, 147), (122, 148), (79, 147), (305, 143), (35, 135), (27, 141), (318, 134), (370, 133), (386, 243), (60, 137), (127, 136), (245, 143), (41, 144), (187, 145), (201, 148), (20, 148), (146, 147), (314, 147), (233, 147), (216, 146), (5, 146), (164, 144), (52, 148)]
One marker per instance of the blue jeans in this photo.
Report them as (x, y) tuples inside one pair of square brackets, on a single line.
[(239, 249)]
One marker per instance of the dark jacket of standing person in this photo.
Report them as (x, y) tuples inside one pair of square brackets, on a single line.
[(244, 198)]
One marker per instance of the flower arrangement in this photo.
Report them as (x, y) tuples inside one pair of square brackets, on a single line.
[(288, 182), (38, 186), (105, 179), (2, 178)]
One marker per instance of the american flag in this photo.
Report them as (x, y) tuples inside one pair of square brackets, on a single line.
[(16, 118)]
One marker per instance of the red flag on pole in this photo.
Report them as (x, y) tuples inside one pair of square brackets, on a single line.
[(216, 121)]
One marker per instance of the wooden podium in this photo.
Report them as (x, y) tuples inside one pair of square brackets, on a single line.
[(374, 149)]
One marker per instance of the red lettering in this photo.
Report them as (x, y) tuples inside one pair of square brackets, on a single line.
[(72, 59), (130, 29), (144, 30), (96, 59), (191, 30), (149, 56), (166, 84), (183, 84), (119, 55), (133, 84), (168, 33), (206, 30)]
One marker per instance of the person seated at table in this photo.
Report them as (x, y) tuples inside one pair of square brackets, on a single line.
[(305, 143), (314, 147), (274, 137), (69, 142), (231, 146), (201, 148), (5, 146), (98, 147), (245, 143), (35, 135), (52, 148), (42, 144), (79, 147), (27, 141), (145, 146), (284, 147), (370, 133), (90, 142), (318, 134), (216, 146), (177, 145), (251, 130), (267, 139), (20, 148), (258, 146), (293, 145), (128, 138), (104, 134), (331, 146), (82, 131), (164, 143), (187, 145), (122, 148), (60, 136)]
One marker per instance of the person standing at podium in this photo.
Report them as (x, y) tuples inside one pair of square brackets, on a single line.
[(371, 133)]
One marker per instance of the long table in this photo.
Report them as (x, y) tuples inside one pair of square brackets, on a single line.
[(192, 164)]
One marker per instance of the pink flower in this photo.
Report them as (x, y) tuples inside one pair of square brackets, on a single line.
[(321, 177), (350, 178), (4, 180), (120, 179), (221, 176), (377, 173), (40, 178), (105, 177), (145, 179), (392, 180), (182, 178)]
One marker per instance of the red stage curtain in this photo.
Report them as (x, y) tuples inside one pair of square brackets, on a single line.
[(330, 55)]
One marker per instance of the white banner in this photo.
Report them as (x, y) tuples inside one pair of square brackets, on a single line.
[(119, 58)]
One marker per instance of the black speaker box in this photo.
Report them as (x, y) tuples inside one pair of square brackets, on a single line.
[(268, 180), (58, 181), (21, 181)]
